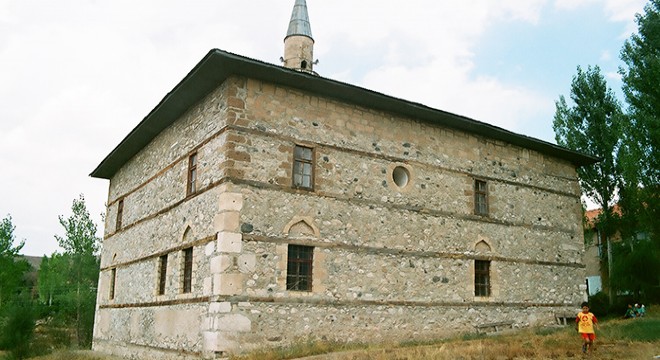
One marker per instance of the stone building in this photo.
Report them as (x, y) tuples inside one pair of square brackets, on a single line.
[(258, 205)]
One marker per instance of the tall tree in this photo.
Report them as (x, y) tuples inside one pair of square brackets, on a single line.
[(12, 267), (641, 54), (640, 163), (591, 124), (81, 246)]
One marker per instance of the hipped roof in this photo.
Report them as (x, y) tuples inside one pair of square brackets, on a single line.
[(218, 65)]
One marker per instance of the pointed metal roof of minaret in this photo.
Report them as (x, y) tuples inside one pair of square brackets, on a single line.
[(299, 24)]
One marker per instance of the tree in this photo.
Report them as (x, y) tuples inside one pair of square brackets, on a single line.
[(80, 265), (12, 267), (641, 54), (52, 277), (640, 163), (591, 125)]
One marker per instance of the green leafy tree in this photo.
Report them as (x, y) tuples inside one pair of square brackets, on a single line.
[(12, 267), (18, 331), (641, 54), (52, 278), (16, 317), (637, 268), (591, 124), (75, 292)]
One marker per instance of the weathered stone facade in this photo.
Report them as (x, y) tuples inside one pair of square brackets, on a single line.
[(390, 262)]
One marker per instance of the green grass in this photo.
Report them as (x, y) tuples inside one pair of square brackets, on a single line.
[(640, 329)]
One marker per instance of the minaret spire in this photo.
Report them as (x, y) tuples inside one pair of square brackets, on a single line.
[(298, 43)]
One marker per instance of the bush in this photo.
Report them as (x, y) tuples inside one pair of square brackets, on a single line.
[(599, 304), (18, 330)]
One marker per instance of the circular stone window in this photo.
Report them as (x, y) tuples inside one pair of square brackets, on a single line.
[(400, 176)]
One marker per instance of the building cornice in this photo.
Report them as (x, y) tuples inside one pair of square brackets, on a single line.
[(219, 65)]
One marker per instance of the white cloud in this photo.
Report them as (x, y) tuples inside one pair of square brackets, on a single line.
[(613, 75), (77, 76), (573, 4)]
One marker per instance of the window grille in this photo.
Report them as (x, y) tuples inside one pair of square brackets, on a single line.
[(113, 279), (120, 213), (480, 197), (192, 174), (303, 167), (481, 278), (299, 268), (162, 274), (187, 269)]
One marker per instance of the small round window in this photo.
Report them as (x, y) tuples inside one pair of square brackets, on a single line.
[(400, 176)]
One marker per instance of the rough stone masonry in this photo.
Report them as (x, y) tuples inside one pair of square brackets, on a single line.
[(400, 249)]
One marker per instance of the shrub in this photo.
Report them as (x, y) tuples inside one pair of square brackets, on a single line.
[(18, 330), (599, 304)]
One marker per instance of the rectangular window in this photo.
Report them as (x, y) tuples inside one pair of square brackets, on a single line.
[(303, 167), (187, 269), (162, 274), (120, 213), (480, 197), (113, 278), (192, 174), (481, 278), (299, 268)]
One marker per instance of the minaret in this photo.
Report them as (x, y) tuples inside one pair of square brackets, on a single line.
[(298, 43)]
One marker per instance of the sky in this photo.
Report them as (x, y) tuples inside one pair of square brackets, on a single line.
[(77, 76)]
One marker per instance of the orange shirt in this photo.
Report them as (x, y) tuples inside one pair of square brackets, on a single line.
[(586, 322)]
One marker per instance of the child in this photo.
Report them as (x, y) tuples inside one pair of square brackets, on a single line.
[(642, 311), (584, 324)]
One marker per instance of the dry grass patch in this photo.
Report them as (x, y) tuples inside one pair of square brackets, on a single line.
[(75, 355), (616, 340)]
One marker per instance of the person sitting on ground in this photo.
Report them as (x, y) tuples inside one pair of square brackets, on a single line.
[(630, 313), (641, 311)]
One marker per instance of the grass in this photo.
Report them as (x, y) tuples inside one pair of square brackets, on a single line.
[(616, 340), (73, 355)]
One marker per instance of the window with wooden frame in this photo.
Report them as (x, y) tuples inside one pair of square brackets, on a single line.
[(162, 274), (191, 188), (303, 167), (480, 197), (187, 270), (113, 279), (299, 268), (482, 278), (120, 214)]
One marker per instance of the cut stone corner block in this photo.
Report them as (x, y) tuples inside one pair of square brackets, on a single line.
[(228, 284), (229, 201), (221, 263), (229, 242), (247, 263), (226, 221), (218, 343)]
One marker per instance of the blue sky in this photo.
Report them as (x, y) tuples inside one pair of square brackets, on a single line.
[(544, 56), (77, 75)]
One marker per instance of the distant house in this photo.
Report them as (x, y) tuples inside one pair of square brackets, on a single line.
[(595, 254), (598, 251), (259, 205)]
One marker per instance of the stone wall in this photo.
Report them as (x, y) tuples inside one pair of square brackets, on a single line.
[(397, 261)]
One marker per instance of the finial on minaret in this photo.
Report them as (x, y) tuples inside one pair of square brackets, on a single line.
[(298, 43)]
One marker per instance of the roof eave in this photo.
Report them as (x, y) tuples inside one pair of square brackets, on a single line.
[(218, 65)]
